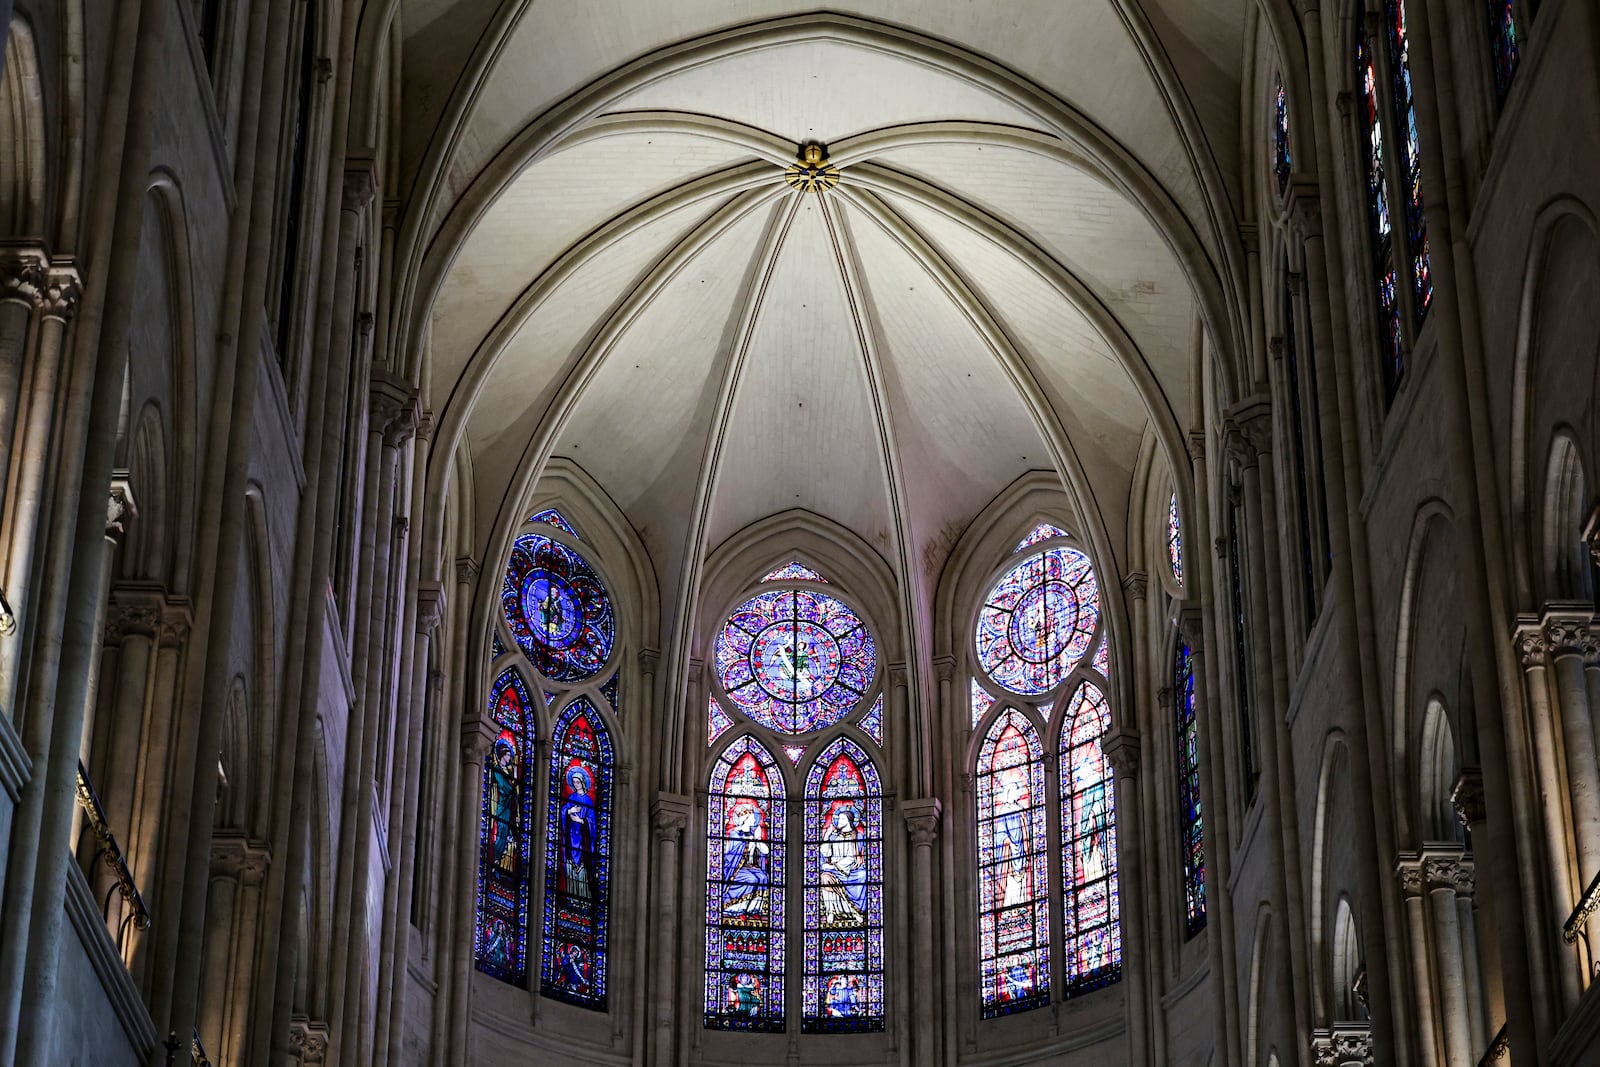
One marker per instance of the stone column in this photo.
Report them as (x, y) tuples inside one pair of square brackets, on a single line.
[(922, 824), (237, 870), (308, 1042), (1567, 640), (1486, 1002), (669, 815), (1121, 748), (1410, 874), (1444, 871), (22, 278), (477, 737), (1531, 650)]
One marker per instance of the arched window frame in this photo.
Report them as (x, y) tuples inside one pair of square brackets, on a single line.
[(1191, 818), (991, 704), (503, 911), (1091, 956)]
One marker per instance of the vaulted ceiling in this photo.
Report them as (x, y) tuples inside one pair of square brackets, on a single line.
[(1032, 226)]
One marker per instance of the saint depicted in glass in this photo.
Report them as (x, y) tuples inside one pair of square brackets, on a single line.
[(843, 892), (795, 660), (1013, 897), (1191, 831), (557, 609), (578, 857), (1405, 112), (1038, 621), (1091, 910), (505, 834), (1380, 232), (744, 891)]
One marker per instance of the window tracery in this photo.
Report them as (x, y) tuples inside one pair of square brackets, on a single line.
[(1038, 621), (795, 660)]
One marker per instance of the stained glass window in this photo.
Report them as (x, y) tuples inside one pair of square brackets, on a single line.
[(1174, 539), (1405, 110), (1042, 532), (497, 647), (1282, 159), (717, 722), (795, 660), (872, 721), (843, 988), (794, 752), (558, 609), (1504, 45), (1038, 621), (1013, 896), (981, 703), (1102, 659), (578, 858), (552, 517), (505, 834), (794, 571), (1242, 678), (612, 692), (1090, 907), (1191, 829), (1380, 232), (744, 891)]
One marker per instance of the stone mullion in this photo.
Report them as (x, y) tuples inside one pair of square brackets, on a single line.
[(923, 818), (1409, 872), (1121, 748), (635, 984), (669, 816), (1479, 915), (477, 737)]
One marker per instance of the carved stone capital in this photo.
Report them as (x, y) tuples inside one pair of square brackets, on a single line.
[(1166, 697), (308, 1040), (669, 815), (1275, 348), (1343, 1044), (466, 570), (1247, 431), (1191, 624), (176, 619), (360, 183), (1136, 584), (431, 601), (22, 274), (922, 820), (61, 293), (1121, 748), (1591, 532), (477, 738), (121, 508), (1530, 644), (899, 675), (124, 618), (944, 668), (1467, 797), (1304, 207), (236, 858), (1408, 871), (395, 409), (1446, 871), (649, 661), (1567, 633)]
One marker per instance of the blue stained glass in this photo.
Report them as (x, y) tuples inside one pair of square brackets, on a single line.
[(505, 834), (981, 703), (1042, 532), (557, 609), (1379, 229), (744, 891), (872, 721), (1102, 659), (1405, 109), (1283, 160), (578, 858), (1038, 621), (550, 698), (612, 692), (717, 722), (1175, 539), (1191, 827), (1504, 45), (1091, 907), (1013, 894), (794, 571), (552, 517), (795, 660), (794, 752), (497, 647), (843, 985)]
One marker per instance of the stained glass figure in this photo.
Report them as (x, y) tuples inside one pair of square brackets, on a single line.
[(794, 571), (578, 858), (558, 609), (1042, 532), (744, 891), (1090, 905), (1175, 539), (1405, 112), (1102, 659), (843, 988), (1504, 45), (1038, 621), (1282, 159), (872, 721), (1379, 230), (717, 722), (794, 752), (1191, 828), (612, 692), (497, 647), (552, 517), (1013, 894), (505, 834), (795, 660), (981, 703)]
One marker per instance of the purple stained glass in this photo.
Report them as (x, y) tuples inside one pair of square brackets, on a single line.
[(497, 647), (1042, 532), (505, 834), (717, 722), (982, 701), (1090, 906), (1504, 45), (794, 571), (1038, 621), (794, 752), (578, 858), (1175, 539), (1380, 231), (843, 988), (552, 517), (1102, 659), (1013, 888), (1191, 826), (744, 891), (1282, 159), (1405, 112), (557, 609), (872, 721), (795, 660)]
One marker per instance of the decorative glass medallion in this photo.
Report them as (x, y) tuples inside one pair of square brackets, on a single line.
[(981, 703), (552, 517), (557, 609), (872, 721), (794, 571), (795, 660), (1038, 621), (717, 722), (1042, 532), (1102, 659), (794, 752)]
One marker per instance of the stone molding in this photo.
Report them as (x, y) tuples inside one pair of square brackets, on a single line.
[(922, 818), (1191, 625), (944, 668), (649, 660)]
